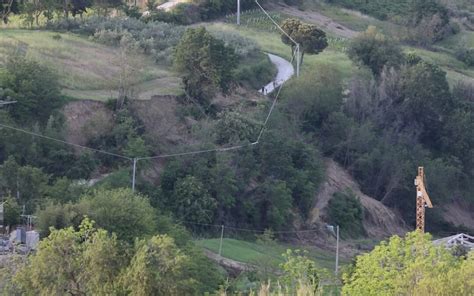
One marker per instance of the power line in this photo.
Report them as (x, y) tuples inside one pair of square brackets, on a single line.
[(63, 142), (223, 149), (249, 230)]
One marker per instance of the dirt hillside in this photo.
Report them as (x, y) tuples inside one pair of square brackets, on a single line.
[(85, 120), (379, 220), (316, 18), (459, 213)]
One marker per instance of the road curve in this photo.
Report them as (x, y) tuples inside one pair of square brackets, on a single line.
[(285, 72)]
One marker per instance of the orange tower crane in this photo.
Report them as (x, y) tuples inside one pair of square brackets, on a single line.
[(422, 200)]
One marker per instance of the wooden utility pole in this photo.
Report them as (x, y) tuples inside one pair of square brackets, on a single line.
[(422, 200)]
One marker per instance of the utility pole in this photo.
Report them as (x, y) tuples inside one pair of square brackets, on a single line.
[(134, 173), (1, 213), (337, 250), (220, 244), (298, 59), (238, 12)]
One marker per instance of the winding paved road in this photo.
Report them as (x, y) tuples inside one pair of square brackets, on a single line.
[(285, 71)]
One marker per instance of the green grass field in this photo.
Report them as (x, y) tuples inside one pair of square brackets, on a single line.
[(455, 69), (253, 253), (87, 70)]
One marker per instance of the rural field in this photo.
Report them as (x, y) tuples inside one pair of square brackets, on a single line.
[(87, 70)]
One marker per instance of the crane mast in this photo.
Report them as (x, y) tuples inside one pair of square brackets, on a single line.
[(422, 199)]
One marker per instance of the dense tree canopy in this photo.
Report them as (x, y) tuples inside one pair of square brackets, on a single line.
[(35, 88), (409, 266), (206, 64), (374, 50), (90, 261), (310, 38), (120, 211)]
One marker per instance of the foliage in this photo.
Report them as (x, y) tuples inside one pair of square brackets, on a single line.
[(67, 261), (125, 138), (119, 211), (466, 55), (11, 212), (256, 19), (345, 210), (271, 181), (153, 38), (33, 86), (157, 267), (400, 10), (192, 201), (205, 63), (313, 98), (310, 39), (299, 270), (391, 125), (372, 49), (411, 265), (232, 127), (243, 47), (426, 21), (27, 183), (91, 261), (255, 71), (198, 10)]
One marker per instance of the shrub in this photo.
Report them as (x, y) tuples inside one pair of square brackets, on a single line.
[(466, 55), (243, 46), (345, 210)]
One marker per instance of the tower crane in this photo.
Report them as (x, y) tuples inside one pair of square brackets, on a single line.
[(422, 199)]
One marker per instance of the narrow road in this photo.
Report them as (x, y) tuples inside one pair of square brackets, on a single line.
[(285, 71)]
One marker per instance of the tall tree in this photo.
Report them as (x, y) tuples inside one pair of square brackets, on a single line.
[(404, 266), (374, 50), (205, 63), (311, 39), (35, 87)]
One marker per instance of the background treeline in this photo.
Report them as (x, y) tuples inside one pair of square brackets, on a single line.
[(45, 11), (427, 21), (399, 112)]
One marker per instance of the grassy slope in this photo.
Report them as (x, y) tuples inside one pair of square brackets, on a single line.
[(444, 57), (87, 70), (271, 42), (248, 252)]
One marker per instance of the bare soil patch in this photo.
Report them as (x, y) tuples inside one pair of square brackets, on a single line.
[(379, 221), (86, 120)]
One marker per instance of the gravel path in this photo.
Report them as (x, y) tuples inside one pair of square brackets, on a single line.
[(285, 71)]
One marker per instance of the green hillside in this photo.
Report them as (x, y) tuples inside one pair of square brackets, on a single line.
[(87, 70)]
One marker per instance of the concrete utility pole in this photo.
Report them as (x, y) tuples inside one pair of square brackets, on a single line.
[(134, 173), (298, 59), (238, 12), (337, 250), (1, 213), (220, 244)]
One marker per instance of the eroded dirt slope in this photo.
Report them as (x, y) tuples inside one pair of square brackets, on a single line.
[(379, 220)]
